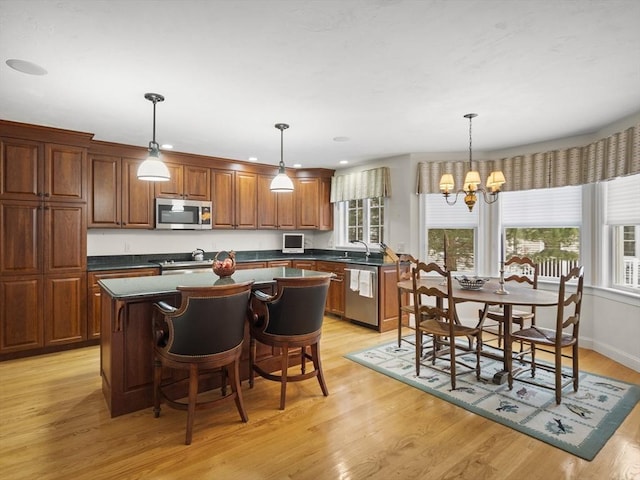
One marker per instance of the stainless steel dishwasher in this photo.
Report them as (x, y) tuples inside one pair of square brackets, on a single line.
[(358, 307)]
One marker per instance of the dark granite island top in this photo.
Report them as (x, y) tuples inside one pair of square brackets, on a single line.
[(153, 286)]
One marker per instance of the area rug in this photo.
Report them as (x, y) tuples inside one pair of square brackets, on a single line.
[(580, 425)]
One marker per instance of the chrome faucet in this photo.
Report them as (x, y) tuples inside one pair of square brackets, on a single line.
[(367, 253)]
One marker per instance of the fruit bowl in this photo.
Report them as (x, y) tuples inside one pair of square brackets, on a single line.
[(224, 267), (471, 283)]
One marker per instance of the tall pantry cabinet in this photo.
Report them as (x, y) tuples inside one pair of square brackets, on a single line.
[(43, 248)]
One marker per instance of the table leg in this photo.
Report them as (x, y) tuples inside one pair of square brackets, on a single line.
[(507, 361)]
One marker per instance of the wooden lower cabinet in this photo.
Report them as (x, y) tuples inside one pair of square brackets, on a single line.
[(335, 295), (40, 311), (304, 264), (387, 298), (279, 263), (93, 294), (248, 265)]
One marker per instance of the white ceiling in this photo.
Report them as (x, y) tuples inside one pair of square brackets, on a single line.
[(394, 76)]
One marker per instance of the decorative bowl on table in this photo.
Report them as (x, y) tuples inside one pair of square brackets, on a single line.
[(471, 283), (224, 263)]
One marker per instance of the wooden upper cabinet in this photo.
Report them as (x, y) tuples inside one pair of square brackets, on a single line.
[(326, 207), (275, 210), (118, 199), (187, 182), (246, 200), (65, 173), (21, 169), (65, 238), (235, 196), (307, 192), (20, 238), (222, 186)]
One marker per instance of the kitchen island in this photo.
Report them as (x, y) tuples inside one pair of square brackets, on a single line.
[(126, 341)]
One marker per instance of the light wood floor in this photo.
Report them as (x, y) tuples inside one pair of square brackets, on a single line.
[(54, 425)]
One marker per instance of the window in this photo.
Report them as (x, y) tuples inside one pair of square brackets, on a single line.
[(544, 225), (363, 220), (623, 221), (460, 227)]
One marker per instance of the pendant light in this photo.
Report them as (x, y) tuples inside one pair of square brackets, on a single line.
[(281, 183), (153, 169)]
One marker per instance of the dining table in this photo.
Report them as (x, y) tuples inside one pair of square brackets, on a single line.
[(516, 295)]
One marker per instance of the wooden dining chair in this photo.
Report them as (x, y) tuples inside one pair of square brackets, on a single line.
[(439, 320), (521, 270), (203, 336), (290, 319), (555, 340), (404, 265)]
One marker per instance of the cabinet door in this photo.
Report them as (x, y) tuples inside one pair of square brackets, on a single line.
[(307, 203), (21, 167), (246, 200), (21, 325), (326, 207), (65, 305), (137, 197), (197, 183), (65, 178), (304, 264), (105, 194), (172, 188), (279, 263), (20, 238), (267, 213), (222, 186), (65, 238), (286, 210)]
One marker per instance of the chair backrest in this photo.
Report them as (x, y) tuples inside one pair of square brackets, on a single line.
[(210, 319), (570, 303), (438, 310), (522, 270), (298, 306), (403, 259)]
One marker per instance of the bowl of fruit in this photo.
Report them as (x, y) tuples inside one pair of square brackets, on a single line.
[(224, 263)]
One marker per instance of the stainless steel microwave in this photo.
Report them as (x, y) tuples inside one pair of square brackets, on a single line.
[(175, 214)]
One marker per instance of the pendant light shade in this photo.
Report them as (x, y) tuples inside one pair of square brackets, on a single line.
[(153, 169), (281, 182)]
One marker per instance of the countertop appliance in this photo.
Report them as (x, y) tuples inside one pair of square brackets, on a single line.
[(175, 214), (293, 243), (361, 293)]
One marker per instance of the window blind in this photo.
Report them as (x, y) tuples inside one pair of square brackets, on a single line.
[(438, 214), (623, 201), (547, 207)]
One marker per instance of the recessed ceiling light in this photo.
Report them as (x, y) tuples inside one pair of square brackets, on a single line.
[(344, 162), (253, 159), (166, 146), (26, 67), (297, 165), (341, 139)]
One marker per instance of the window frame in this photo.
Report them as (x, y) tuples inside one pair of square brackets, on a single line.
[(368, 205)]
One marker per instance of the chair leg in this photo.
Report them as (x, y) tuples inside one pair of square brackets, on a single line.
[(418, 343), (452, 356), (576, 373), (283, 377), (157, 378), (303, 360), (478, 352), (193, 397), (317, 364), (223, 381), (252, 360), (236, 388), (500, 335), (558, 372)]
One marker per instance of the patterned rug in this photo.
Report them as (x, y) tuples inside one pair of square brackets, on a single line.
[(580, 425)]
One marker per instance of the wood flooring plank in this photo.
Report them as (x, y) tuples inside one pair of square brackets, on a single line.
[(54, 424)]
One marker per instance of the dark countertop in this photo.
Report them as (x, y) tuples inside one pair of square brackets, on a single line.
[(142, 287), (125, 262)]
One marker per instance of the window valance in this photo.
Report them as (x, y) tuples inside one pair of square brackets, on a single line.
[(366, 184), (614, 156)]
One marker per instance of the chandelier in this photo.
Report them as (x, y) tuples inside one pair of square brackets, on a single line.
[(472, 181)]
